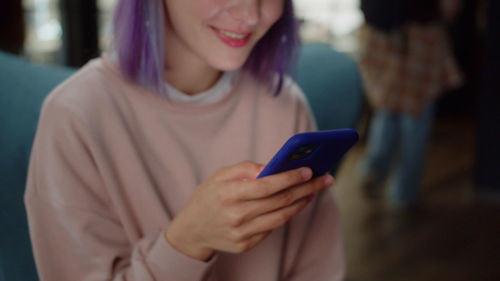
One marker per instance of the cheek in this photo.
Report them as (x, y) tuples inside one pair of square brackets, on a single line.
[(271, 11), (207, 9)]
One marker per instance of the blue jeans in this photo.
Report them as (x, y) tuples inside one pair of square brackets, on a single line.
[(397, 149)]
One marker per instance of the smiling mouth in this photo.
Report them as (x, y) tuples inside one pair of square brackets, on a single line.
[(232, 39), (233, 35)]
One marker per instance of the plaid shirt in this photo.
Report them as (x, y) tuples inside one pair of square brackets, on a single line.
[(405, 69)]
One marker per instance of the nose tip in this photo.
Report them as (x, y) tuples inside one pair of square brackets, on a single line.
[(245, 11)]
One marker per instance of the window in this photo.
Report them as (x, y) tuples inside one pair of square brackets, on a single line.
[(43, 30), (330, 21)]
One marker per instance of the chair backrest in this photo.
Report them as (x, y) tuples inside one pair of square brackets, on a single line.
[(23, 86), (333, 86)]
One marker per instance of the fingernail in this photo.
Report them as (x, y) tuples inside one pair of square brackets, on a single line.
[(328, 181), (306, 173)]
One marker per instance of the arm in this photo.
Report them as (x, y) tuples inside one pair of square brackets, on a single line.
[(75, 233), (75, 244)]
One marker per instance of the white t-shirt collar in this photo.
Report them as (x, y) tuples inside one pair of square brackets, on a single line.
[(212, 95)]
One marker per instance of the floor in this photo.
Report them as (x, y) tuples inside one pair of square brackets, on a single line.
[(451, 236)]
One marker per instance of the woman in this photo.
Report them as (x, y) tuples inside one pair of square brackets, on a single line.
[(136, 171)]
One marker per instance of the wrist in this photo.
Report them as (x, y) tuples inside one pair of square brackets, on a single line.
[(187, 246)]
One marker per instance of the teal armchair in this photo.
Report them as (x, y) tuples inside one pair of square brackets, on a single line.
[(332, 83), (23, 86)]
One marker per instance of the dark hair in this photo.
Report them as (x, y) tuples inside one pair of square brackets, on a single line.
[(138, 27)]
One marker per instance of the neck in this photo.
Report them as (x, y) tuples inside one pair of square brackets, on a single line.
[(181, 75), (186, 71)]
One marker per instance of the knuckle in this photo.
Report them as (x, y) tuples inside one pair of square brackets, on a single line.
[(249, 165), (241, 247), (223, 197), (226, 200), (244, 164), (221, 172), (236, 236), (236, 218)]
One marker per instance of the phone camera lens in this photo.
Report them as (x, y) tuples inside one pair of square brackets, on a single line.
[(303, 151)]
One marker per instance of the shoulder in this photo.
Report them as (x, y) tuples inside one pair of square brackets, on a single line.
[(289, 104), (292, 99), (291, 91), (289, 97), (85, 93)]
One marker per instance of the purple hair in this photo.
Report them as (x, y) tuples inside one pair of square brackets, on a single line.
[(138, 27)]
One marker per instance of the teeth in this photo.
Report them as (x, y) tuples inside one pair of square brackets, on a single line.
[(233, 35)]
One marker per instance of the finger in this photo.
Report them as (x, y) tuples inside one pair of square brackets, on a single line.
[(250, 242), (266, 186), (273, 220), (240, 171), (287, 197)]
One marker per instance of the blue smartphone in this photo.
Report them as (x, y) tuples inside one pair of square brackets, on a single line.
[(320, 151)]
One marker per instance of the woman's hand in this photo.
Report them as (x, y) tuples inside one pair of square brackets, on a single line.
[(232, 211)]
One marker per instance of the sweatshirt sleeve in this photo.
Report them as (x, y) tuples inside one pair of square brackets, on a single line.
[(321, 252), (75, 233)]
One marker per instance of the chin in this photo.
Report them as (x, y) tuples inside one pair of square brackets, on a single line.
[(229, 65)]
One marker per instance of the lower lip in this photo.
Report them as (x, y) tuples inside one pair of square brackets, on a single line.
[(232, 42)]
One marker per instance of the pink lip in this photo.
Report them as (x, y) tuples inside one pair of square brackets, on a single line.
[(233, 42)]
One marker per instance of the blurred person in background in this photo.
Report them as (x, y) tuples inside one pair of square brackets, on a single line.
[(406, 63)]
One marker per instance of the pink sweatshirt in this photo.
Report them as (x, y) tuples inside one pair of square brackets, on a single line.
[(112, 164)]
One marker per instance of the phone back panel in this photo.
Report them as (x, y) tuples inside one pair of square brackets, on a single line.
[(320, 151)]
